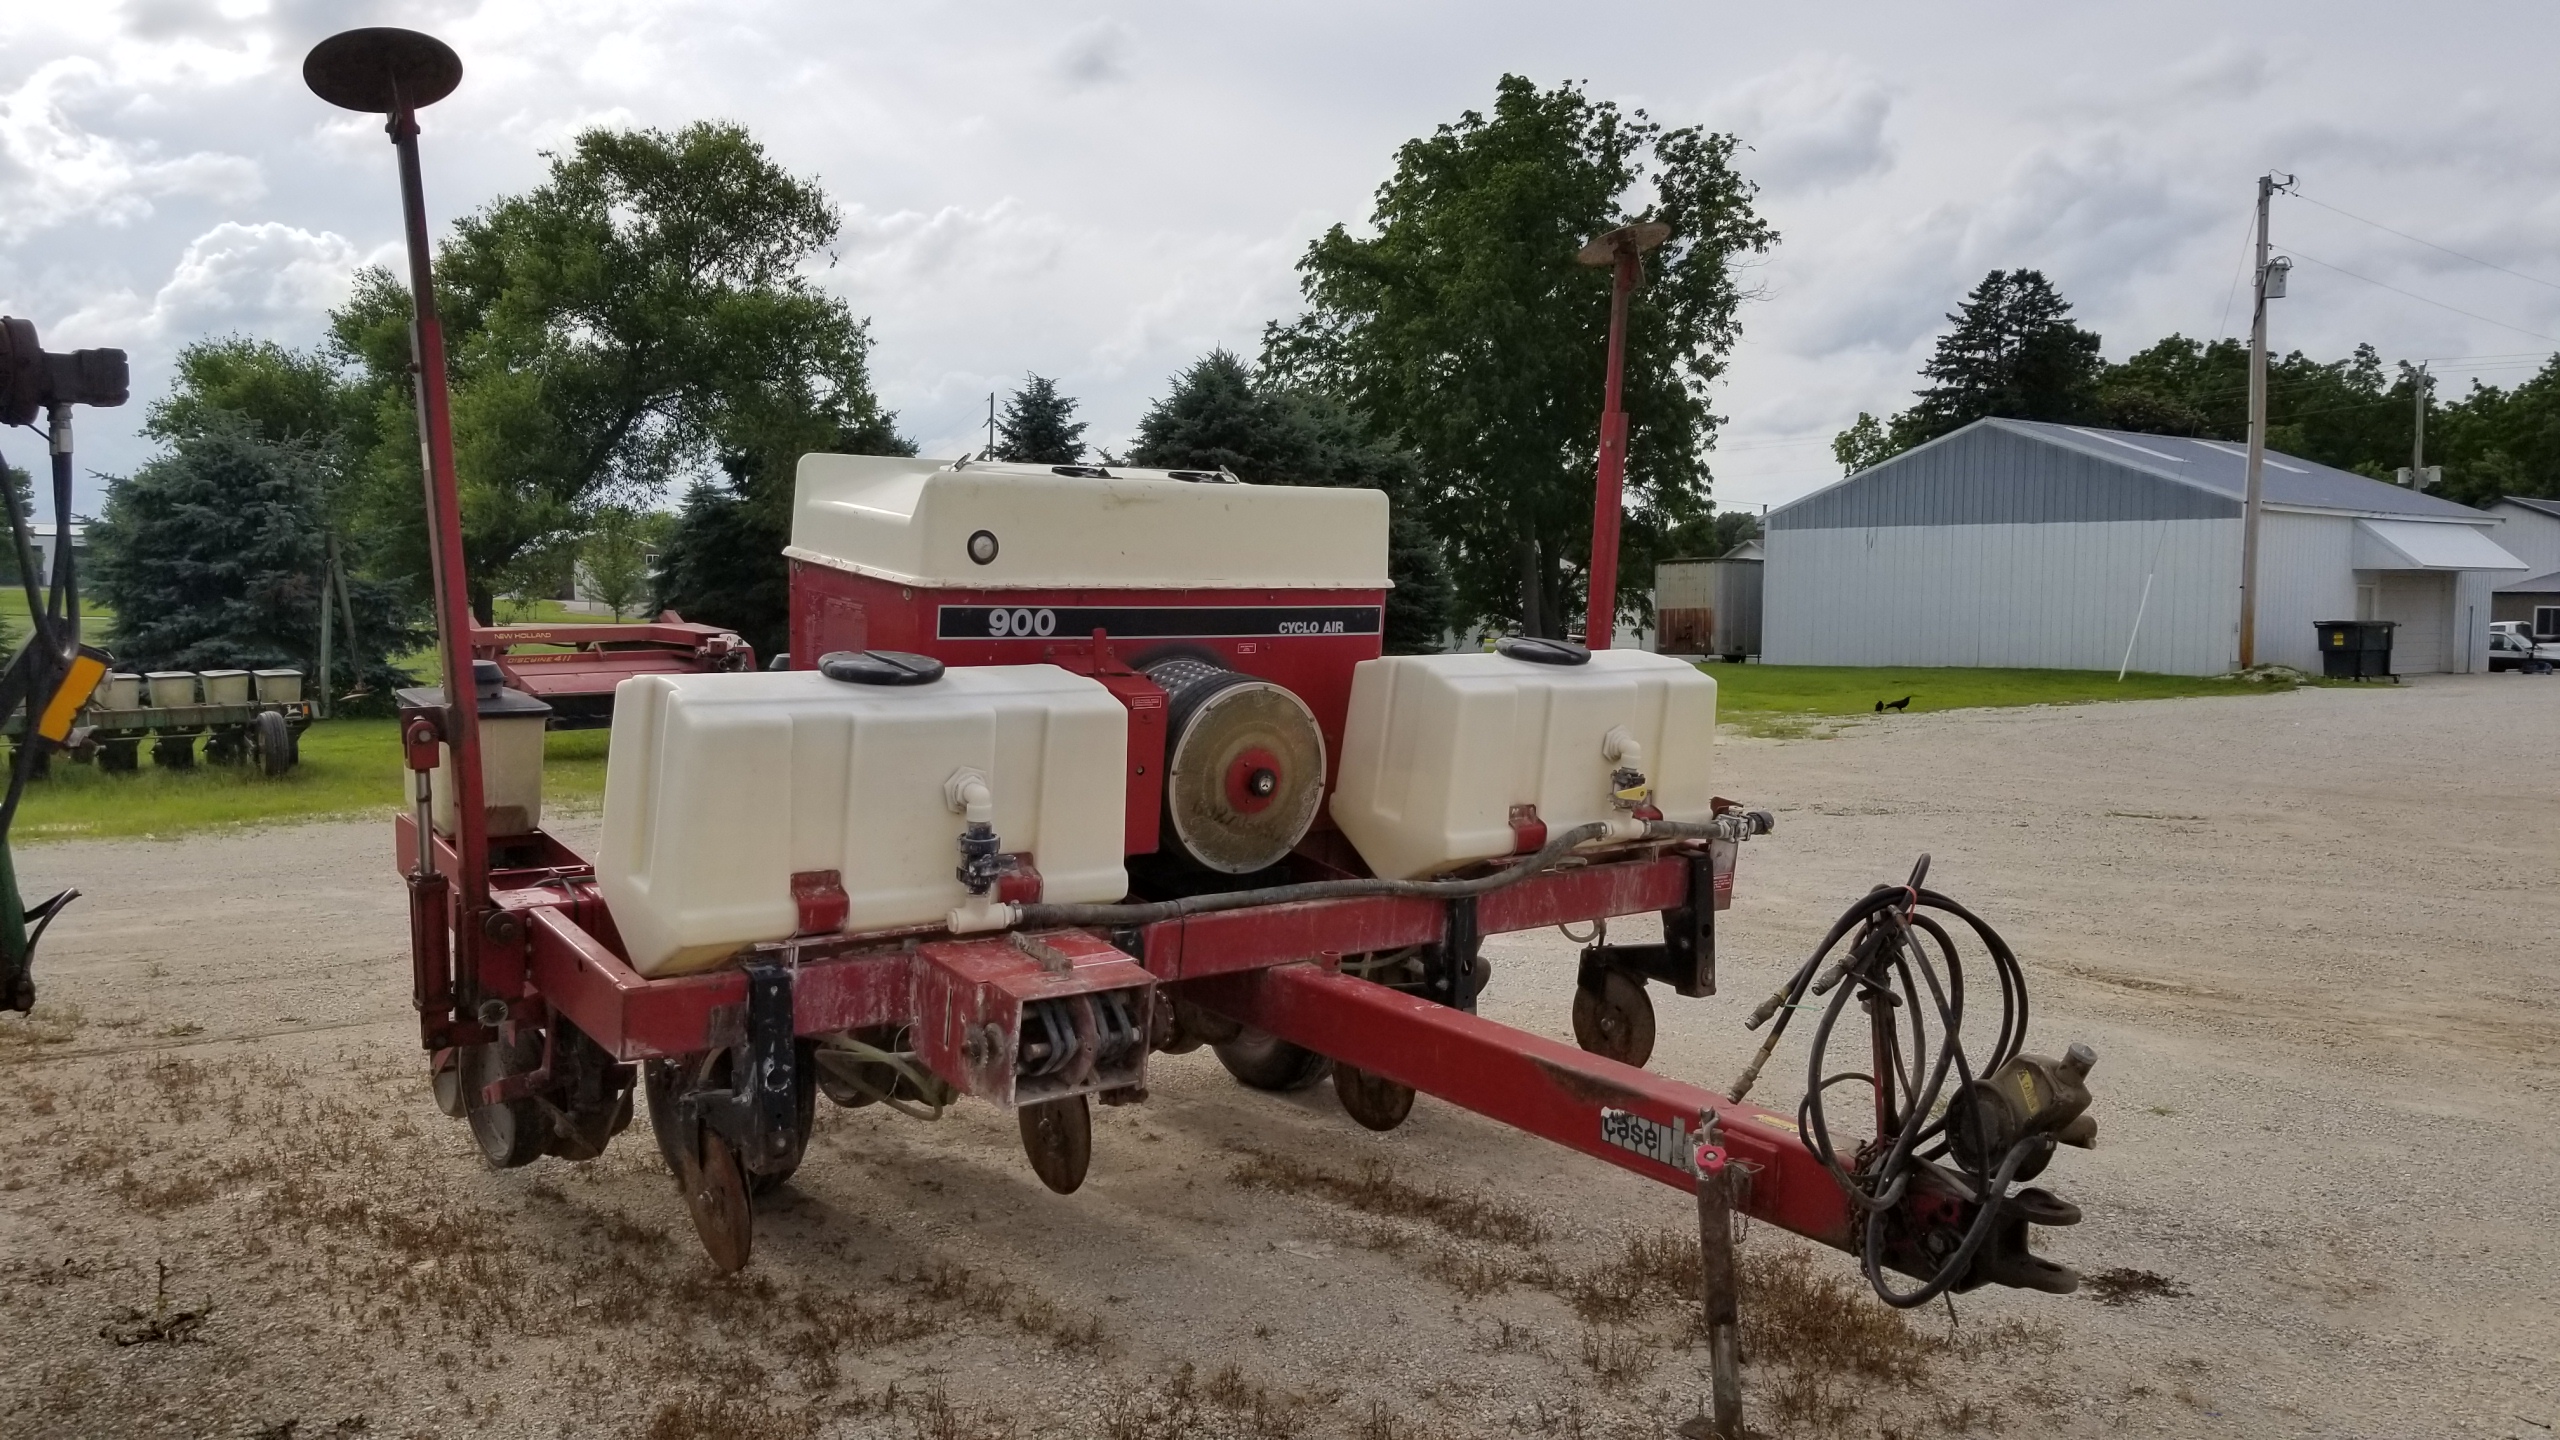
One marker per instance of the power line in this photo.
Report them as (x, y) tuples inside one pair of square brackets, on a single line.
[(2421, 299), (2222, 331), (2430, 244)]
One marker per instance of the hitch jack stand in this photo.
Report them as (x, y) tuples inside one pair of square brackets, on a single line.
[(1719, 1289)]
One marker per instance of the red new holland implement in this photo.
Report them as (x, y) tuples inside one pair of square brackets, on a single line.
[(573, 668), (1074, 765)]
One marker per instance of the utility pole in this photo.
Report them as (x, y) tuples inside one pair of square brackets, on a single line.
[(2417, 476), (2270, 286), (991, 425)]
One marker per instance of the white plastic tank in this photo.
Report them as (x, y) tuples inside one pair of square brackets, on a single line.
[(119, 691), (719, 789), (226, 687), (276, 686), (170, 689), (1438, 749)]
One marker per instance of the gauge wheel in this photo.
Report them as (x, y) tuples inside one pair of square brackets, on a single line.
[(1613, 1017), (1377, 1102), (1267, 1062)]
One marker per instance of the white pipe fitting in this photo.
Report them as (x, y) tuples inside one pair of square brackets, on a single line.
[(967, 794)]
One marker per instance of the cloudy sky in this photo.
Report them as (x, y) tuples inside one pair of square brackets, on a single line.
[(1101, 193)]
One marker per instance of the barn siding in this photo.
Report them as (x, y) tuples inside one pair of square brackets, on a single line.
[(2045, 596), (2305, 576)]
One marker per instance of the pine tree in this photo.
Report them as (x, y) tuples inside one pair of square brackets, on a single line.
[(2013, 353), (1039, 427), (1220, 416), (211, 555)]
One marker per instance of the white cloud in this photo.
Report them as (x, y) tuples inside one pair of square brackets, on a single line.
[(1102, 193), (54, 170), (1818, 123)]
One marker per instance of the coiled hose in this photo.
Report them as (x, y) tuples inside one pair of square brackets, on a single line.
[(1889, 968)]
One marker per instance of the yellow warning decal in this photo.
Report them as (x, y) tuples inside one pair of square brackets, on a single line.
[(88, 667), (1775, 1122)]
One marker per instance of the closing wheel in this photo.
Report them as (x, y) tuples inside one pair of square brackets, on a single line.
[(1267, 1062), (715, 1197), (511, 1132), (1374, 1100), (1057, 1135), (272, 738), (1613, 1017)]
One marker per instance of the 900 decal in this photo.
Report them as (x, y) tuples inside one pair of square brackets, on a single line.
[(1019, 622), (1151, 622)]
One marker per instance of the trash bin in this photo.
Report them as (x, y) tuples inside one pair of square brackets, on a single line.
[(2356, 649)]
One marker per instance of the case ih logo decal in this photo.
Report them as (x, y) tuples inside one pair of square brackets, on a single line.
[(1151, 622)]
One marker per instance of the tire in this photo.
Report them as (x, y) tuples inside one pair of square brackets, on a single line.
[(1267, 1062), (272, 740)]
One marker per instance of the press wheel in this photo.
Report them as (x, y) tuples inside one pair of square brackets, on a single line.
[(1377, 1102), (715, 1196), (1613, 1017), (1267, 1062), (1057, 1135)]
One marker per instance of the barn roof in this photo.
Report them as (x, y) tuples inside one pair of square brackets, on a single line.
[(2033, 472)]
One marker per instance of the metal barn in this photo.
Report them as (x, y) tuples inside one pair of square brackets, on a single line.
[(2020, 543), (1710, 607), (2529, 529)]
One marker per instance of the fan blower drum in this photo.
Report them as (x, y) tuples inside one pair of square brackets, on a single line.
[(1244, 771)]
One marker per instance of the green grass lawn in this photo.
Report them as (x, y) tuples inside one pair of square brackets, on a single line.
[(349, 767), (1786, 700), (13, 618)]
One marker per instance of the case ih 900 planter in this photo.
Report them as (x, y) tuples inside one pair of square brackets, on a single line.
[(1076, 765)]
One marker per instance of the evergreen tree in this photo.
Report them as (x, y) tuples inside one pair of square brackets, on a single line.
[(1039, 427), (721, 561), (2014, 354), (1219, 417), (211, 558)]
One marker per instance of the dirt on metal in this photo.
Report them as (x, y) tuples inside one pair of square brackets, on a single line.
[(2309, 936)]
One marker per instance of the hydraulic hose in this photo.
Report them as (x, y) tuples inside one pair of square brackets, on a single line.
[(1729, 826), (1889, 966)]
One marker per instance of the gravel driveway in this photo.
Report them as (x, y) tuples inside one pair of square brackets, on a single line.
[(2314, 938)]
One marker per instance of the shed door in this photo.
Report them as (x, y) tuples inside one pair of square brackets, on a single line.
[(2422, 601)]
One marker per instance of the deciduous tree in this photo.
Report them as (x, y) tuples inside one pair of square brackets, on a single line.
[(1462, 330), (646, 310)]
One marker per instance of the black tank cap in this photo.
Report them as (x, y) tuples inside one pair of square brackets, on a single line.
[(880, 667), (1540, 651)]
